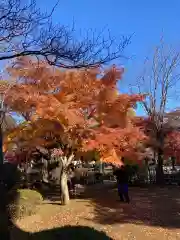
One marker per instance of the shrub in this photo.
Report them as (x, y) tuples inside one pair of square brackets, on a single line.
[(26, 203)]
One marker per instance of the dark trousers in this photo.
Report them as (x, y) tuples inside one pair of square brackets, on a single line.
[(71, 184), (123, 192)]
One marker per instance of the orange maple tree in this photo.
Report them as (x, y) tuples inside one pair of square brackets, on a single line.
[(81, 110), (84, 103)]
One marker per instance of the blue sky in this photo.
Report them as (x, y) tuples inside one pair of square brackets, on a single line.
[(146, 20)]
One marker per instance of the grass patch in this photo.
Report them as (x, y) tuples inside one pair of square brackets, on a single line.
[(26, 204)]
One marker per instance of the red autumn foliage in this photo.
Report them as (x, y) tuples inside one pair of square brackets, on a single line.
[(123, 141), (91, 112), (56, 152), (12, 157), (172, 145)]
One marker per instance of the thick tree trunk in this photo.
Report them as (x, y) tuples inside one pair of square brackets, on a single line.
[(64, 189), (64, 165), (4, 217), (1, 146), (8, 179)]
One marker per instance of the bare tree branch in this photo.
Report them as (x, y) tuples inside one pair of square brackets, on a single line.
[(159, 80), (25, 31)]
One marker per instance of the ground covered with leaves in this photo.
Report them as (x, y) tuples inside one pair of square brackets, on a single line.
[(154, 213)]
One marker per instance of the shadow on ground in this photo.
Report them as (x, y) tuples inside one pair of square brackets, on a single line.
[(68, 232), (152, 206)]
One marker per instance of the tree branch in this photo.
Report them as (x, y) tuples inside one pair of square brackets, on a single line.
[(25, 31)]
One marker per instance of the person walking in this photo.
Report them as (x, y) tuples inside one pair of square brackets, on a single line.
[(122, 184)]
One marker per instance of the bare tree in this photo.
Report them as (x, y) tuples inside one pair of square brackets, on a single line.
[(25, 31), (159, 80)]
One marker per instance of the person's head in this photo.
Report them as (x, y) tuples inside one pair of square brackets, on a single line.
[(122, 166)]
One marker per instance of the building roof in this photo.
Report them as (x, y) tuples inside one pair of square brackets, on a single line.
[(173, 119)]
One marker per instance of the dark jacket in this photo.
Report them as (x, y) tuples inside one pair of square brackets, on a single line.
[(121, 176)]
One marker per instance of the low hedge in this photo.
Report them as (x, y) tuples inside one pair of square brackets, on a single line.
[(26, 203)]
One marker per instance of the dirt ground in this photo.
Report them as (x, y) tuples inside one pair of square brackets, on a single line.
[(154, 213)]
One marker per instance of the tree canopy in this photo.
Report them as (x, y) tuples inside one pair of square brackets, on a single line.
[(81, 108)]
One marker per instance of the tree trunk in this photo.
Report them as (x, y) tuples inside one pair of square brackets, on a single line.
[(1, 146), (173, 162), (64, 189), (3, 211), (159, 168), (25, 168), (45, 173), (64, 165), (147, 178), (4, 217), (8, 178)]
